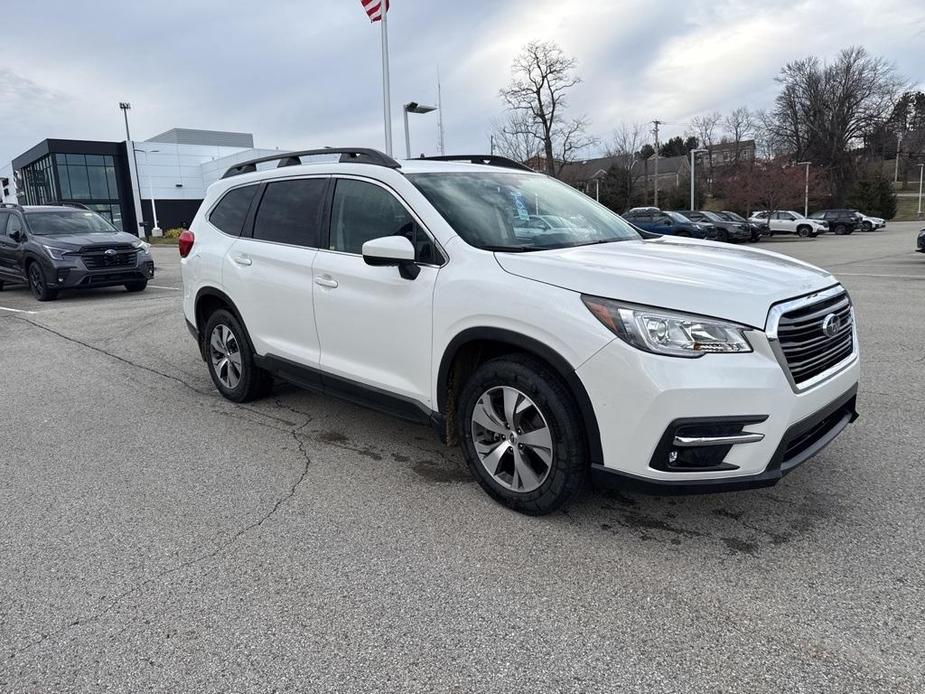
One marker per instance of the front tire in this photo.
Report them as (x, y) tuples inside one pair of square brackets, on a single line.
[(38, 285), (840, 229), (231, 360), (722, 235), (867, 226), (138, 286), (522, 434), (804, 232)]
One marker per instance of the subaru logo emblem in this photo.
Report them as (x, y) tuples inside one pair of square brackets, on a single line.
[(831, 325), (110, 251)]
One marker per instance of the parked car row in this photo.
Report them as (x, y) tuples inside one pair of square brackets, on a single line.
[(839, 221), (698, 224)]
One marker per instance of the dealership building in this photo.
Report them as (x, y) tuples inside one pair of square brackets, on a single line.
[(121, 180)]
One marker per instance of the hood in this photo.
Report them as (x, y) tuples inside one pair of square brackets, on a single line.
[(712, 279), (75, 241)]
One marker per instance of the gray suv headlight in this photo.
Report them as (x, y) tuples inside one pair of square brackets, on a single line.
[(667, 332)]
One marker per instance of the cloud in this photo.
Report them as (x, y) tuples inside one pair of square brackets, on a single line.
[(302, 74)]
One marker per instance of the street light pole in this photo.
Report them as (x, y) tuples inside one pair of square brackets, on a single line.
[(694, 153), (126, 106), (805, 188), (899, 140), (413, 107), (157, 227)]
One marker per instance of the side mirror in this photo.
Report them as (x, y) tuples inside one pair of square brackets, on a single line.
[(395, 251)]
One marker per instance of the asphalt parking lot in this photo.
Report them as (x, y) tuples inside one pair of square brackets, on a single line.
[(156, 537)]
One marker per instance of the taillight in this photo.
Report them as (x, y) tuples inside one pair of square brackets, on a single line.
[(185, 242)]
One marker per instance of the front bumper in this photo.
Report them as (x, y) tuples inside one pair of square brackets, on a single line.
[(920, 247), (638, 397), (72, 273)]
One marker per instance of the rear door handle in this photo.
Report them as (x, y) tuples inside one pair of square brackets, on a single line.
[(326, 282), (242, 260)]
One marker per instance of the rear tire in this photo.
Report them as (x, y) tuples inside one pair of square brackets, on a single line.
[(138, 286), (230, 359), (38, 285), (537, 462)]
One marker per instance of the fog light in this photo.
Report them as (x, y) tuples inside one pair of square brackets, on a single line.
[(673, 456), (62, 275)]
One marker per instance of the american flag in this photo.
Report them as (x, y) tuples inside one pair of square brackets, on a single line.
[(375, 9)]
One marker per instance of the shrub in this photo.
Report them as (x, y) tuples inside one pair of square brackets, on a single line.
[(173, 233)]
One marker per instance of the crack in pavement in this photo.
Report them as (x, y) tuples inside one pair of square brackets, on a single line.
[(295, 433), (205, 556)]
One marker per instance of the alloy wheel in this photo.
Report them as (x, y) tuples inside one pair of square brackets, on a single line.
[(225, 354), (35, 280), (512, 439)]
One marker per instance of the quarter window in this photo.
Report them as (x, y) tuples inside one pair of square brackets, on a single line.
[(14, 225), (290, 212), (231, 211), (363, 211)]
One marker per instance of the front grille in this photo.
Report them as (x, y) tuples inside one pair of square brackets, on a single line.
[(97, 259), (807, 348)]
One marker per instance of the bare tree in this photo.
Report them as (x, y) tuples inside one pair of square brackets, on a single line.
[(623, 147), (705, 128), (739, 126), (824, 110), (541, 75), (515, 137)]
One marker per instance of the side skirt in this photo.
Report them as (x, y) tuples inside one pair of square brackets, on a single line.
[(358, 393)]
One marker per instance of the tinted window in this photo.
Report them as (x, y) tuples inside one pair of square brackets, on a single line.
[(3, 217), (363, 211), (231, 211), (290, 212)]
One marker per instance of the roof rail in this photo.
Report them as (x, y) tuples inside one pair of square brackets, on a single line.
[(11, 205), (67, 203), (487, 159), (356, 155)]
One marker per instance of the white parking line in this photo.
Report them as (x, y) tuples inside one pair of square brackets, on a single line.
[(160, 286), (16, 310)]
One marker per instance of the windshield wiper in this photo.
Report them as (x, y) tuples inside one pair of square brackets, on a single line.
[(512, 249)]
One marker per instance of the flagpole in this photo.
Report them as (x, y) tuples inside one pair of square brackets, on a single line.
[(386, 96)]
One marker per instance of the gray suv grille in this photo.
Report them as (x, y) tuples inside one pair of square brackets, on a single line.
[(816, 337)]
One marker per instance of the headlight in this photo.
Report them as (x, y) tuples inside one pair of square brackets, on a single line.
[(667, 332), (56, 253), (143, 245)]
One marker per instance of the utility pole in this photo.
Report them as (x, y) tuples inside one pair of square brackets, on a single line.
[(921, 172), (899, 140), (806, 188), (656, 123)]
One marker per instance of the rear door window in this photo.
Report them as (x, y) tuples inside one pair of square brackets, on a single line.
[(290, 212), (231, 211)]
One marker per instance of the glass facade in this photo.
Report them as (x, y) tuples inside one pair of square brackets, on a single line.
[(89, 179), (38, 182)]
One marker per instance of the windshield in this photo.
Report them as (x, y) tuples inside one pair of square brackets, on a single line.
[(677, 217), (519, 211), (59, 223)]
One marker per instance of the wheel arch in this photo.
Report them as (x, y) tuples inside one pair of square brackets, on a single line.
[(208, 300), (467, 349)]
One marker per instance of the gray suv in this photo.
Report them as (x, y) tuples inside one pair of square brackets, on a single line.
[(54, 247)]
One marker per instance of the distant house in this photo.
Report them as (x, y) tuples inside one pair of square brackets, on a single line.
[(585, 174), (729, 153)]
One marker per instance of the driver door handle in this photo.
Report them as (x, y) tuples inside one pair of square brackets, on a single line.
[(326, 282), (242, 260)]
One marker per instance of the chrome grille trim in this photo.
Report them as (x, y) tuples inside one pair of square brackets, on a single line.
[(798, 345)]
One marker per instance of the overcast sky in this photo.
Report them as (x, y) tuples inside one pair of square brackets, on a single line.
[(306, 73)]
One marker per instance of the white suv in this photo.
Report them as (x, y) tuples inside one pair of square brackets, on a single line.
[(424, 289), (790, 222)]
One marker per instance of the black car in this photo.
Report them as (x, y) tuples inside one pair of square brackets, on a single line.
[(840, 221), (669, 223), (757, 230), (726, 230), (920, 242), (54, 247)]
